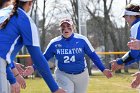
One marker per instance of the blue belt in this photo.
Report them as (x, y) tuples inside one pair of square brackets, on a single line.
[(75, 73)]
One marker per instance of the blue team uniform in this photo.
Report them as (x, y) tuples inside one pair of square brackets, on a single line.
[(20, 31), (132, 55), (70, 52)]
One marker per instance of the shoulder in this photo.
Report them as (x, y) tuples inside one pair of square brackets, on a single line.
[(53, 41), (56, 39), (79, 36), (135, 26), (135, 30), (22, 15)]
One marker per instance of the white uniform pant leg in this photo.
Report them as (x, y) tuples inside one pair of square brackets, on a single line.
[(64, 81), (81, 82), (3, 77), (9, 87)]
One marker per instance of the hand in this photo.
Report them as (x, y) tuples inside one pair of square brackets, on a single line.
[(136, 82), (107, 73), (115, 66), (19, 67), (15, 88), (60, 90), (134, 44), (28, 71), (21, 81)]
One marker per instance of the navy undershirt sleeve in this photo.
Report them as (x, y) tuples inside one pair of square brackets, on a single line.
[(42, 66)]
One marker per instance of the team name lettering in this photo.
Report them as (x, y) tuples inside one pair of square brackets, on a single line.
[(69, 51)]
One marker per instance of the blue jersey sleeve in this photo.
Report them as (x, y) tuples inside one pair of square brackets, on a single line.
[(28, 29), (12, 65), (42, 66), (10, 75), (48, 54), (96, 61), (89, 50)]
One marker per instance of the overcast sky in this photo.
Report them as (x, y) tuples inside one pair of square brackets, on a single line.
[(118, 6)]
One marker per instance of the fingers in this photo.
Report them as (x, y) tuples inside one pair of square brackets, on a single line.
[(23, 85), (114, 66), (107, 73), (21, 81), (134, 75), (60, 90), (131, 38), (137, 74), (15, 88), (20, 68), (29, 70), (135, 83)]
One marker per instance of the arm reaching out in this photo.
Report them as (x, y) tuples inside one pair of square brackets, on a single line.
[(28, 71)]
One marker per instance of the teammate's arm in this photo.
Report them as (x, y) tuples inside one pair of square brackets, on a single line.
[(42, 66)]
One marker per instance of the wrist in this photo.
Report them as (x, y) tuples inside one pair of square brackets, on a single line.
[(119, 61), (17, 74)]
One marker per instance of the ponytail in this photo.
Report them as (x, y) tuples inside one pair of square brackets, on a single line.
[(13, 12)]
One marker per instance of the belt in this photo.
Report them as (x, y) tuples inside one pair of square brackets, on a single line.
[(76, 73)]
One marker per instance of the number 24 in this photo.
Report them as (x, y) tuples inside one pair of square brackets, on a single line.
[(68, 59)]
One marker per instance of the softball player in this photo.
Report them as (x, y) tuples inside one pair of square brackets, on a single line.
[(132, 17), (69, 50), (18, 29)]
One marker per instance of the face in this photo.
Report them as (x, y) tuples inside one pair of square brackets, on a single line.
[(67, 30), (29, 5), (129, 19)]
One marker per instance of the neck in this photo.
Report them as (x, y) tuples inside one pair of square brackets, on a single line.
[(133, 19)]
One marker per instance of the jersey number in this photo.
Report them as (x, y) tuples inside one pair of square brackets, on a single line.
[(68, 59)]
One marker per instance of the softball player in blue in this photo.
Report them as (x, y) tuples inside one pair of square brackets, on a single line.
[(132, 17), (18, 29), (69, 50)]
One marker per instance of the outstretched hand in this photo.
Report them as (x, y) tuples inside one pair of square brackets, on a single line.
[(21, 81), (28, 71), (136, 81), (60, 90), (15, 88), (115, 66), (19, 68), (107, 73), (134, 44)]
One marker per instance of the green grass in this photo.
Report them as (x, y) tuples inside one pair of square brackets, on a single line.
[(120, 83)]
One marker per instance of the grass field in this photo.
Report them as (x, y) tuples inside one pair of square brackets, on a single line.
[(120, 83)]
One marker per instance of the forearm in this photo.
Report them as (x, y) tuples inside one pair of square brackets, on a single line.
[(42, 66), (126, 59), (97, 61), (15, 72)]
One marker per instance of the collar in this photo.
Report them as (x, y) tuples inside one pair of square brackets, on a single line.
[(137, 20), (72, 35)]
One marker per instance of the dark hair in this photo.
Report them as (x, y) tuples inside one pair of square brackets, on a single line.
[(14, 11), (134, 8), (2, 2), (21, 4)]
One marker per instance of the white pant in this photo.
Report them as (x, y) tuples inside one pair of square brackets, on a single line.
[(73, 83), (4, 84)]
